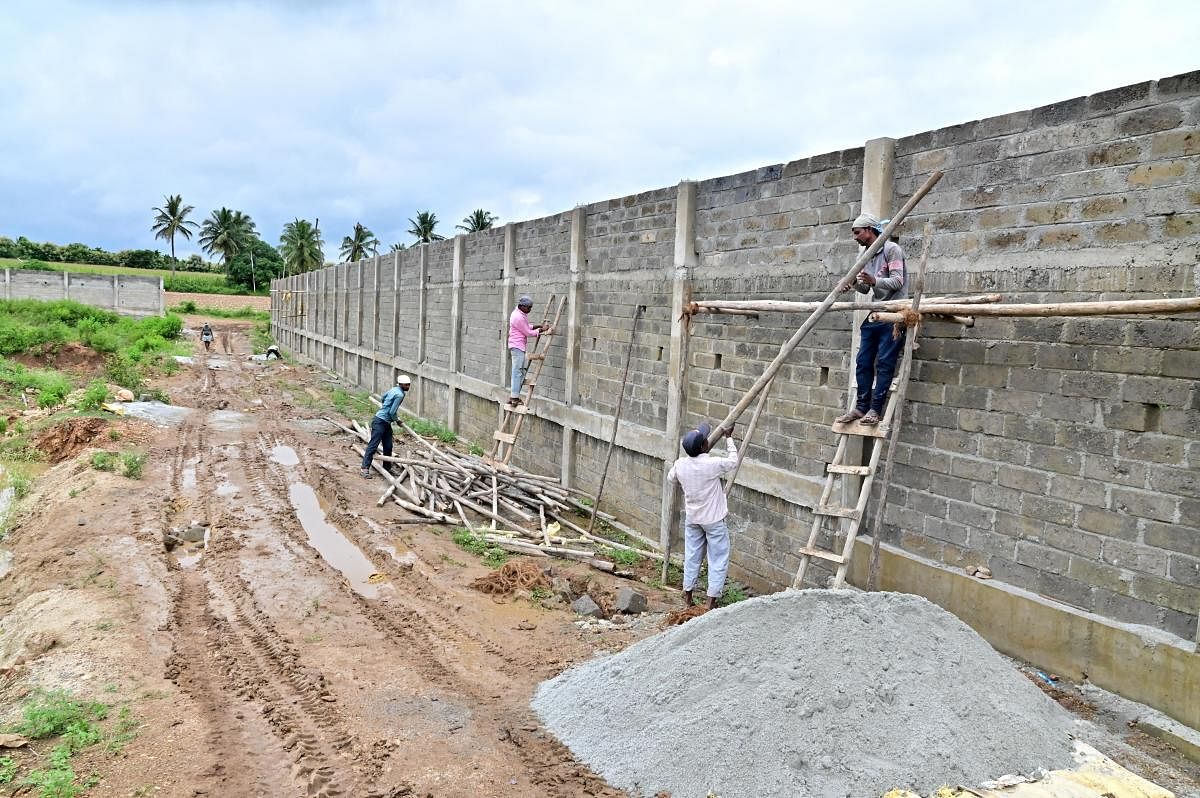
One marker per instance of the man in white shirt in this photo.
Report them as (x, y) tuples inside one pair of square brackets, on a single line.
[(699, 474)]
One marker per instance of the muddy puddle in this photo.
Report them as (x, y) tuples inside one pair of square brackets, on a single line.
[(154, 412), (284, 455), (334, 547)]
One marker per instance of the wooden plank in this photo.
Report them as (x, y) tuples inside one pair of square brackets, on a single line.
[(865, 430), (840, 512), (861, 471), (504, 437), (822, 554)]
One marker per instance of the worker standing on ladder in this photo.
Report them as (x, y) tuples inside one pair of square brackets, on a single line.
[(885, 278), (519, 333), (705, 509)]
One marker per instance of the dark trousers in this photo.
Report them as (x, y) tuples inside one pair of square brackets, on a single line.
[(381, 432), (876, 364)]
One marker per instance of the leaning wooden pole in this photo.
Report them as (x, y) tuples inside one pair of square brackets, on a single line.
[(612, 441), (786, 350), (1116, 307), (897, 416)]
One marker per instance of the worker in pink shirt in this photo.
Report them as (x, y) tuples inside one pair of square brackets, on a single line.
[(519, 333)]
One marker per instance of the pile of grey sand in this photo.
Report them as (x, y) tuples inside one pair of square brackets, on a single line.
[(807, 693)]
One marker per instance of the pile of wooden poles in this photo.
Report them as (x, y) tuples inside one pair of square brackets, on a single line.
[(521, 512)]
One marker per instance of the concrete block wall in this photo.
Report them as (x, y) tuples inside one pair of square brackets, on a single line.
[(131, 294), (1062, 453)]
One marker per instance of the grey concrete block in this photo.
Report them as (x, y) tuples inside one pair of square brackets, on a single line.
[(630, 601)]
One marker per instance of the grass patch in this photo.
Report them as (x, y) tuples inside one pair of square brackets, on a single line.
[(245, 312), (433, 429), (352, 404), (621, 556), (94, 395), (8, 769), (20, 481), (260, 335), (732, 594), (55, 713), (475, 449), (492, 555), (674, 578)]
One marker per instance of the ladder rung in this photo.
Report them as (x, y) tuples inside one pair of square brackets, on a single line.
[(519, 409), (840, 512), (867, 431), (538, 356), (824, 555), (845, 469), (529, 385), (505, 437)]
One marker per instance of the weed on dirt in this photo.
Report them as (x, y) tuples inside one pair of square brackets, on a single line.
[(432, 429), (492, 555)]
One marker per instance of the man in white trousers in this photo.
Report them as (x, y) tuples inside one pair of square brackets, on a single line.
[(699, 474)]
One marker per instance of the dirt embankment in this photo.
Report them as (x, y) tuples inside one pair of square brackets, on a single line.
[(226, 301)]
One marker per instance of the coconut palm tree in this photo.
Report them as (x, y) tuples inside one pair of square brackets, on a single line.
[(399, 247), (171, 219), (478, 220), (423, 227), (226, 233), (359, 245), (301, 247)]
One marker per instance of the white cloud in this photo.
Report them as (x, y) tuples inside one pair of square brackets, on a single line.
[(372, 111)]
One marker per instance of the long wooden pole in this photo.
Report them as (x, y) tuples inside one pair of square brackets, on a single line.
[(786, 350), (756, 306), (612, 441), (897, 415), (1122, 307)]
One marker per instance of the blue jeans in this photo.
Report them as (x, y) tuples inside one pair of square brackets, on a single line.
[(518, 371), (715, 539), (381, 432), (876, 364)]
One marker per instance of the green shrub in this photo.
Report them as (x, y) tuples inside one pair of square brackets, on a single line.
[(94, 395), (104, 461), (169, 326), (53, 713), (8, 769), (35, 266), (432, 429), (132, 464), (3, 425), (122, 369), (621, 556), (492, 555), (20, 481), (187, 306)]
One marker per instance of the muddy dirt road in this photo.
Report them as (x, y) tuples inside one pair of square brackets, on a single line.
[(260, 660)]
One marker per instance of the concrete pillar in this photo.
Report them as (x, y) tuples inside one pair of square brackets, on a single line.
[(116, 290), (456, 321), (8, 283), (686, 260), (162, 298), (358, 334), (375, 291), (422, 279), (508, 297), (395, 303), (878, 182), (67, 285), (573, 333)]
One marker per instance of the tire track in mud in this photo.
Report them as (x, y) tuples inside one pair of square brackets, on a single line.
[(434, 645)]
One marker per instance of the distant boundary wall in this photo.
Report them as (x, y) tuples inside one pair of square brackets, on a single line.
[(125, 293), (1061, 453)]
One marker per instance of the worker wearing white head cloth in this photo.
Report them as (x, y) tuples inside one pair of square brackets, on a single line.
[(381, 424), (884, 278)]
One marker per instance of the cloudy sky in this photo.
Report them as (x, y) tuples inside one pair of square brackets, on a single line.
[(371, 111)]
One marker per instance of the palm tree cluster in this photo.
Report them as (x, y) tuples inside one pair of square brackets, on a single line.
[(228, 232)]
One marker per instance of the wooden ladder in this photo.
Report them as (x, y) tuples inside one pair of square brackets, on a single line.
[(839, 469), (512, 418)]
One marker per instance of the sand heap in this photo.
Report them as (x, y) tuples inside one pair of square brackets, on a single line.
[(811, 693)]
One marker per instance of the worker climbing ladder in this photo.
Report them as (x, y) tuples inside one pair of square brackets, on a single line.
[(512, 418)]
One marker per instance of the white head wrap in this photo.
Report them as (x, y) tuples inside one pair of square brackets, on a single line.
[(868, 220)]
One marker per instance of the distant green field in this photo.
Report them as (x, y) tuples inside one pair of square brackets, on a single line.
[(183, 282)]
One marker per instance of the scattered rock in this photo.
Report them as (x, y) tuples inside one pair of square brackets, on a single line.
[(12, 741), (630, 602), (526, 626), (82, 521), (124, 395), (193, 533), (585, 606), (563, 589), (39, 643)]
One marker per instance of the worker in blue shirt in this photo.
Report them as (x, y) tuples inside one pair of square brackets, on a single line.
[(381, 424)]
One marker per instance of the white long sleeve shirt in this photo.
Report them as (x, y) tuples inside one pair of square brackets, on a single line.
[(703, 493)]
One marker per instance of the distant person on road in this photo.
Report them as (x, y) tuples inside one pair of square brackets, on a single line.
[(381, 424), (519, 333), (705, 509), (206, 336), (884, 278)]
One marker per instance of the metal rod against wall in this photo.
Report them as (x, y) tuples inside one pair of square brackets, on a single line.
[(612, 441), (844, 284)]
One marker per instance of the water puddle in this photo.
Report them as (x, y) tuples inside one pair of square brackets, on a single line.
[(228, 420), (227, 489), (190, 542), (189, 477), (155, 412), (284, 455), (328, 540), (6, 558)]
